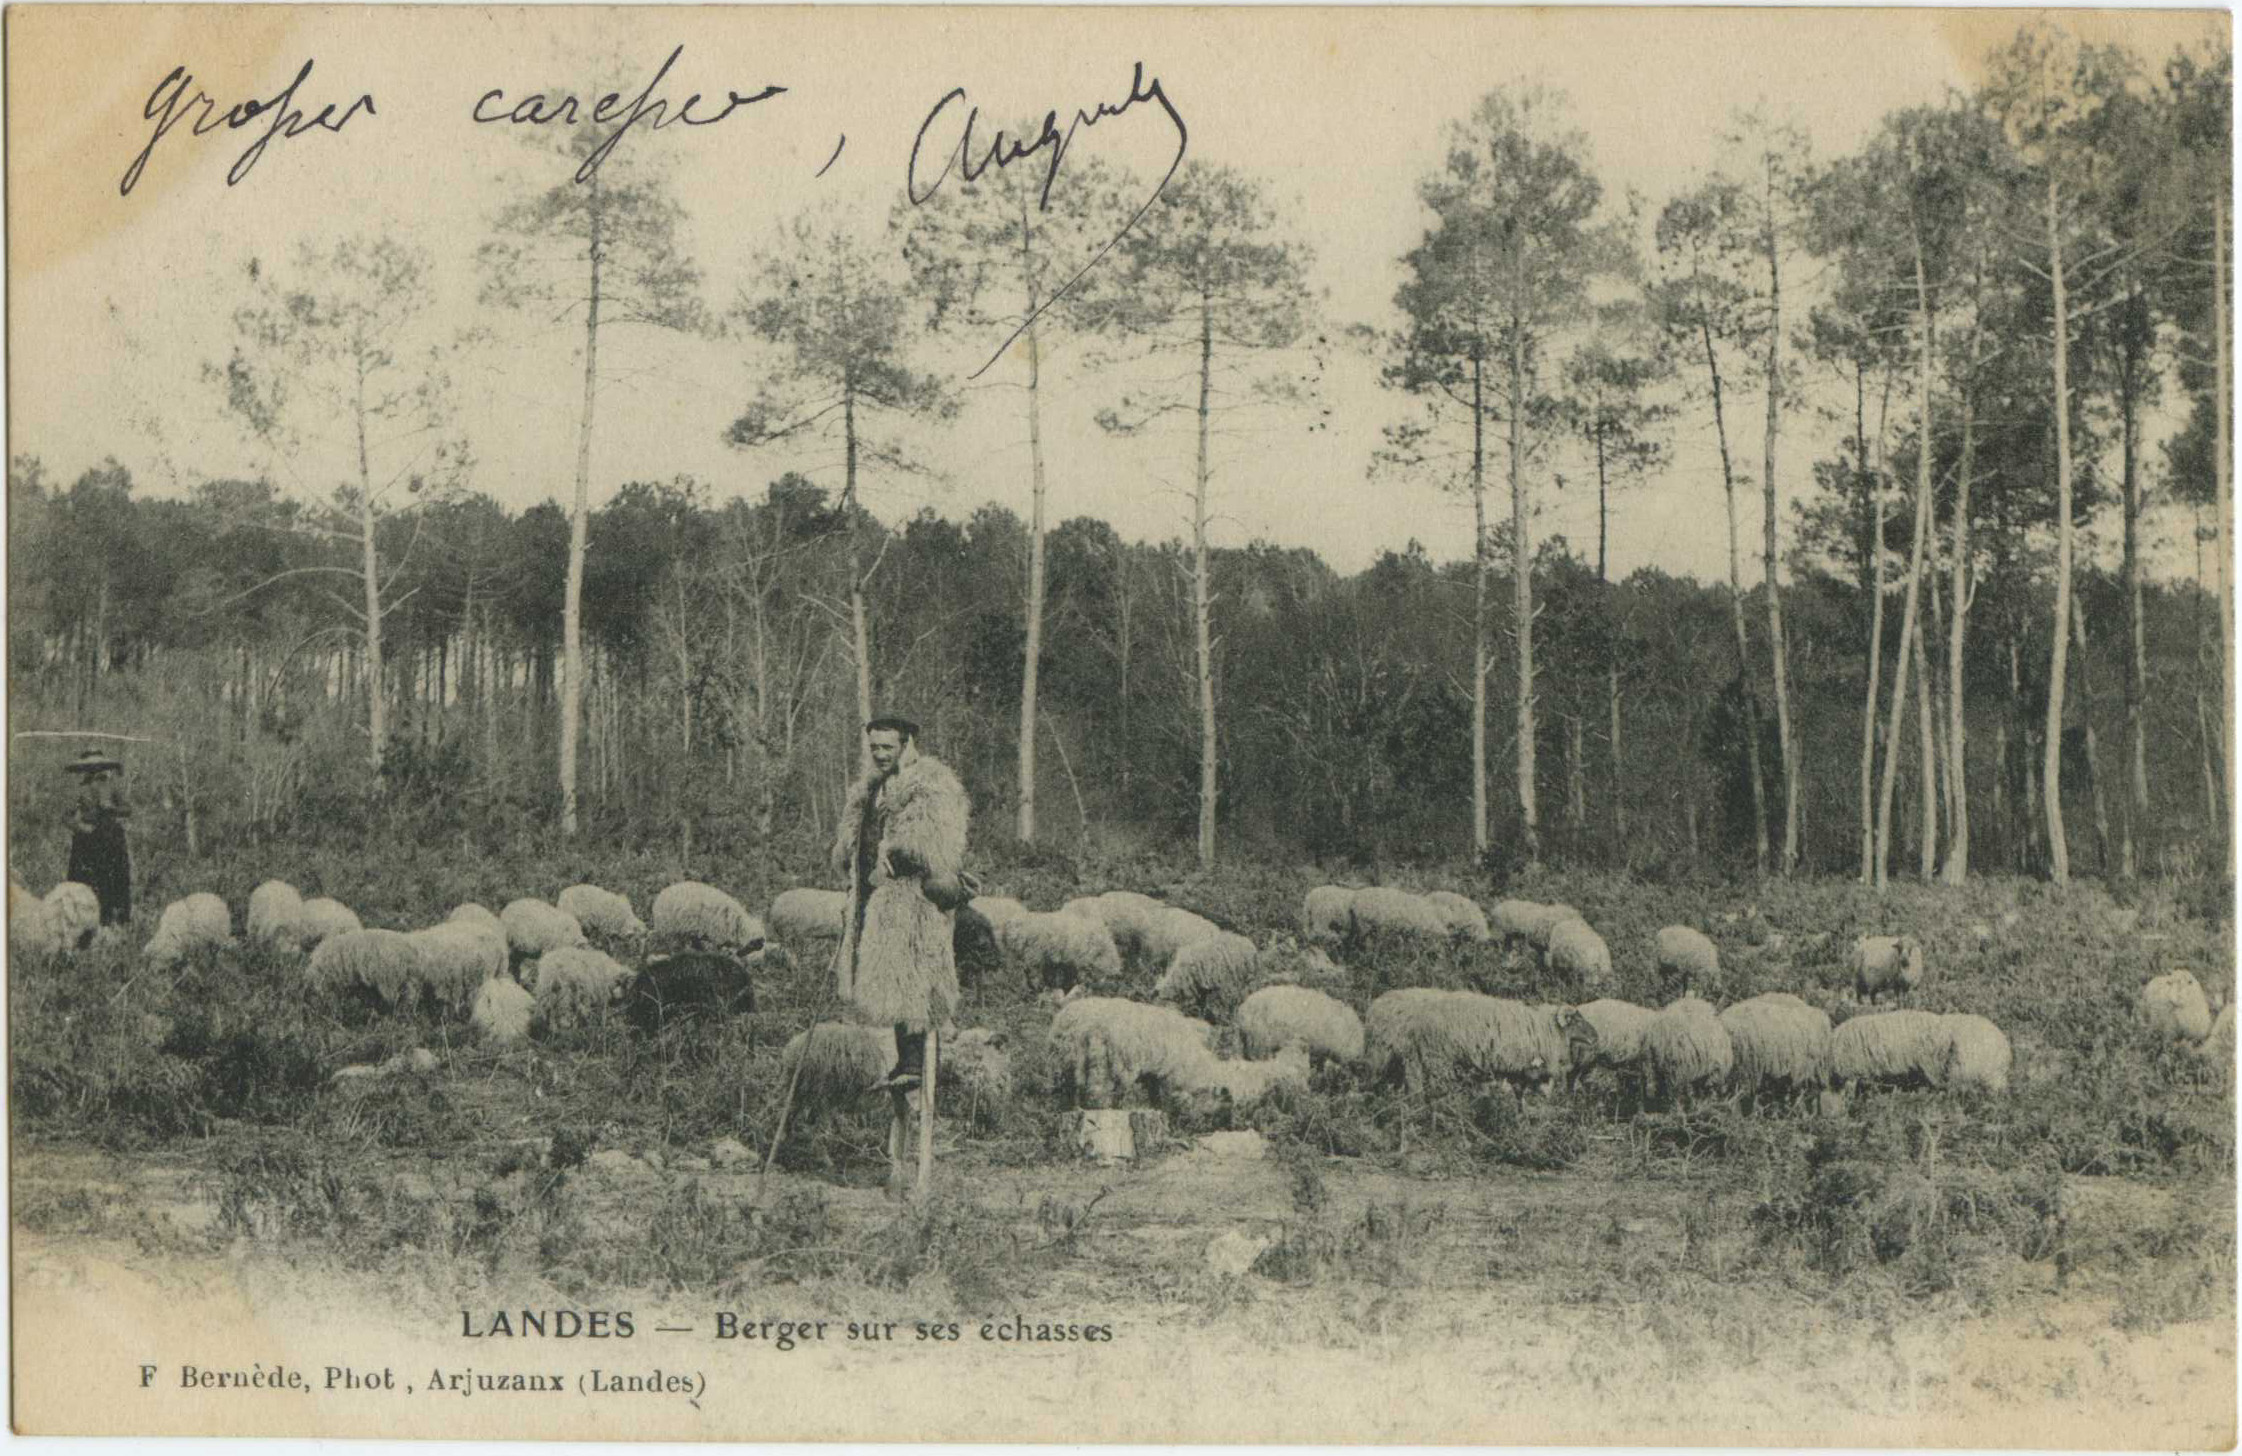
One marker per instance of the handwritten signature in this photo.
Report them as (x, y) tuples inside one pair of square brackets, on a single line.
[(971, 161), (169, 104)]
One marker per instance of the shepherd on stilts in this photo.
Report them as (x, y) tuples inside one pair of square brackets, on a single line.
[(902, 845)]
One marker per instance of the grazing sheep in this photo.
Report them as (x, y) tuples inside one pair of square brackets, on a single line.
[(601, 912), (574, 983), (76, 913), (1687, 960), (276, 914), (1516, 920), (324, 917), (1466, 921), (1433, 1037), (2176, 1008), (1166, 930), (1245, 1082), (2218, 1047), (1578, 954), (196, 923), (1620, 1028), (32, 927), (997, 909), (1210, 977), (1276, 1017), (456, 958), (1688, 1050), (1327, 915), (383, 965), (803, 914), (501, 1012), (974, 946), (1059, 951), (1129, 917), (474, 913), (972, 1066), (1978, 1055), (534, 927), (705, 918), (1881, 963), (834, 1063), (1781, 1044), (1384, 910), (1108, 1045), (690, 985)]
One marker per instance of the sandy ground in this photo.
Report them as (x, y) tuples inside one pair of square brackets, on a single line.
[(1494, 1334)]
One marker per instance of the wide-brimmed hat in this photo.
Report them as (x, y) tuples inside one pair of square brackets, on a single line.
[(93, 760), (894, 722)]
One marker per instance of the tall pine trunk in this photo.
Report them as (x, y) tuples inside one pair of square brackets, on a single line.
[(1480, 840), (1777, 645), (2137, 668), (860, 624), (1201, 605), (1522, 599), (2093, 748), (1924, 437), (2222, 464), (1611, 677), (1925, 698), (1957, 867), (1031, 665), (1736, 618), (377, 704), (579, 528), (1872, 570), (2051, 772)]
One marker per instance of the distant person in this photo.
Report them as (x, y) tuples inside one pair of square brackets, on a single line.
[(99, 858), (902, 844)]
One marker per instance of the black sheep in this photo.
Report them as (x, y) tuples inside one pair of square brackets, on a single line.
[(686, 986)]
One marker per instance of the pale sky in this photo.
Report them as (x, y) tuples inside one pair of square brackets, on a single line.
[(117, 303)]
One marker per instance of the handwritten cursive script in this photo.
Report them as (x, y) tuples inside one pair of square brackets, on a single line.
[(536, 110), (970, 161), (169, 104)]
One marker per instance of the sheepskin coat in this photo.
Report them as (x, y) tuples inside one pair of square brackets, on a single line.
[(896, 962)]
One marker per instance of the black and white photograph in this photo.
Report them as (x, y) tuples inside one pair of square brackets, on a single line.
[(1115, 724)]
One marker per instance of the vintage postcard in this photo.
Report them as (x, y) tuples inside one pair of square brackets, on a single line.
[(1495, 726)]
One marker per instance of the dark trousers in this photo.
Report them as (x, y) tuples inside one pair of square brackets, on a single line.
[(100, 860)]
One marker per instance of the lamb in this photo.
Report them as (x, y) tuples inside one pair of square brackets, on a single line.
[(474, 913), (573, 983), (1920, 1049), (601, 912), (534, 927), (324, 917), (1109, 1045), (1059, 951), (456, 958), (1688, 1050), (382, 965), (1466, 921), (1327, 915), (1166, 930), (690, 985), (1432, 1037), (1384, 910), (75, 912), (199, 922), (1620, 1028), (1881, 963), (803, 914), (276, 914), (1276, 1017), (501, 1012), (1578, 954), (1781, 1044), (702, 917), (1210, 977), (2175, 1008), (1687, 960)]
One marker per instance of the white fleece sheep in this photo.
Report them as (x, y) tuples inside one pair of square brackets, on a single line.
[(1687, 960), (601, 912), (501, 1012), (1384, 910), (534, 927), (1578, 954), (1208, 978), (1433, 1037), (2175, 1008), (76, 912), (2218, 1047), (996, 909), (1920, 1049), (574, 983), (1881, 963), (473, 912), (1466, 921), (456, 958), (1529, 921), (324, 916), (1276, 1017), (1327, 914), (834, 1064), (1108, 1046), (1166, 930), (1620, 1028), (1978, 1055), (1058, 950), (32, 928), (385, 964), (199, 922), (1688, 1049), (276, 915), (1130, 918), (803, 914), (1781, 1044), (706, 917)]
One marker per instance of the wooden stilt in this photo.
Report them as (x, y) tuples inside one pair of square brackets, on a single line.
[(770, 1155), (899, 1116), (926, 1113)]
